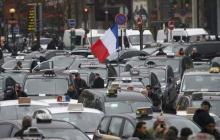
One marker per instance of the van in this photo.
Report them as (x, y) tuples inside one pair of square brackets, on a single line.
[(181, 34), (79, 36), (133, 37), (93, 36)]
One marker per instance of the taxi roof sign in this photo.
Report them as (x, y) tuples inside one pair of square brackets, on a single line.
[(214, 70), (75, 107), (24, 100), (112, 92), (145, 111)]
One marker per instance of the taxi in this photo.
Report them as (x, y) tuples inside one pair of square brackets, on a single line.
[(113, 101), (44, 122), (46, 84), (178, 64), (123, 125), (86, 119), (17, 109), (200, 80), (138, 75)]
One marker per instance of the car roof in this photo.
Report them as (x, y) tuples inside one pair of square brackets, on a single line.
[(57, 110), (54, 101), (39, 75), (15, 103), (199, 72), (124, 95)]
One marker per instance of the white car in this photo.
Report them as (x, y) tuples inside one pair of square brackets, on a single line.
[(86, 119)]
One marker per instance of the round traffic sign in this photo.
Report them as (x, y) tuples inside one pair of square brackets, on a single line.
[(120, 19)]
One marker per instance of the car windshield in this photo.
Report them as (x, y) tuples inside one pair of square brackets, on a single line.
[(175, 64), (12, 63), (48, 86), (18, 77), (203, 83), (58, 62), (135, 39), (124, 106), (67, 134), (87, 122), (215, 106), (16, 112)]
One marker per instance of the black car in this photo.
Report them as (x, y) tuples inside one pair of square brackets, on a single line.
[(123, 125), (122, 101), (206, 50)]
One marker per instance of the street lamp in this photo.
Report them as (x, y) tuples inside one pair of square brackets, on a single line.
[(12, 21)]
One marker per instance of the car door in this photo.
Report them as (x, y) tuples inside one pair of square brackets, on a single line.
[(7, 129), (115, 126), (102, 128), (128, 130)]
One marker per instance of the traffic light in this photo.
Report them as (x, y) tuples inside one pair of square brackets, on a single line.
[(86, 10)]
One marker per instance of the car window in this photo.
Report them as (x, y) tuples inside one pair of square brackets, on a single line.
[(103, 127), (5, 130), (128, 129), (115, 126), (183, 103)]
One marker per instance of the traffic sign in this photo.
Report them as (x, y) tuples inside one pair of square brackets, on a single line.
[(121, 19), (71, 23)]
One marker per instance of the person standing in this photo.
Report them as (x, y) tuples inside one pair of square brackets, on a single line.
[(201, 115), (141, 131), (195, 55), (210, 128), (16, 93), (26, 123), (79, 83), (98, 82), (71, 92)]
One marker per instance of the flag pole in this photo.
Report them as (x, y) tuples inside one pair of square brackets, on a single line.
[(118, 50)]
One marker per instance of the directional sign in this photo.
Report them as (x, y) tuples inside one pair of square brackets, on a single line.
[(71, 23), (31, 18), (120, 19)]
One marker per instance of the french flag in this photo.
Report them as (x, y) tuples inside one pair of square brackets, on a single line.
[(107, 44)]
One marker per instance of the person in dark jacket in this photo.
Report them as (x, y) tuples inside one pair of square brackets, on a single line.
[(53, 44), (16, 93), (26, 123), (161, 52), (71, 92), (141, 132), (195, 55), (185, 133), (201, 115), (18, 66), (210, 128), (79, 83), (98, 82)]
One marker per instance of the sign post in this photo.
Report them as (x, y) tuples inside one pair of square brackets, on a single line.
[(121, 20), (71, 23)]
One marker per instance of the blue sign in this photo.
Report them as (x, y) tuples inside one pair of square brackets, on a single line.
[(120, 19), (71, 23), (16, 30)]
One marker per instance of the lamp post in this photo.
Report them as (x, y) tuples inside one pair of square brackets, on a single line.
[(12, 21)]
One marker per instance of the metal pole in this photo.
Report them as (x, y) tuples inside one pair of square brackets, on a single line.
[(141, 37)]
